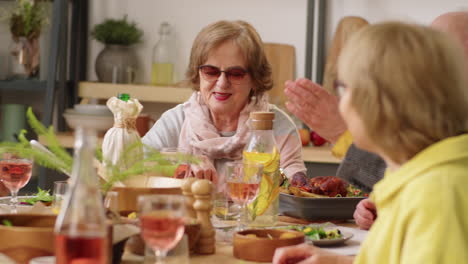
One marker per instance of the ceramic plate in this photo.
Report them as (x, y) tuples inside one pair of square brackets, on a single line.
[(331, 242), (6, 200)]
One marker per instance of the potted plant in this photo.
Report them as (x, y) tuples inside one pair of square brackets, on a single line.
[(26, 21), (117, 62)]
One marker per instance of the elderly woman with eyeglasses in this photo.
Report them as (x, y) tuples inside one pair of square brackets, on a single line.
[(404, 97), (230, 74)]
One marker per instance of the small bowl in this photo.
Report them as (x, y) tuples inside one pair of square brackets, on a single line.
[(30, 236), (98, 122), (92, 109), (260, 244), (128, 196)]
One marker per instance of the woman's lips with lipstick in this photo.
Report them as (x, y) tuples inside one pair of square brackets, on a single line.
[(221, 96)]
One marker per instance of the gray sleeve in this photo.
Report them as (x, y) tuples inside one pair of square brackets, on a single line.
[(165, 132), (361, 168)]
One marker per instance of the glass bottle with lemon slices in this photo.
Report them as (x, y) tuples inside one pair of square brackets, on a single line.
[(262, 149)]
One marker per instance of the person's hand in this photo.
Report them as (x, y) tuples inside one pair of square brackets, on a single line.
[(305, 254), (365, 214), (316, 107), (204, 170)]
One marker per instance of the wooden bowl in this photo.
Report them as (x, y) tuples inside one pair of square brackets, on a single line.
[(30, 236), (128, 196), (260, 244), (136, 245)]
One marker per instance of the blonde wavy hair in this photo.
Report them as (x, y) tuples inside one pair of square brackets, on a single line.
[(346, 28), (407, 84), (248, 40)]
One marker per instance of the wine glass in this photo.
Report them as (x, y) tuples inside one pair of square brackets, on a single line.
[(180, 158), (162, 222), (15, 174), (243, 181)]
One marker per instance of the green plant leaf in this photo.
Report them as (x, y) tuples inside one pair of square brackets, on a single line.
[(27, 19), (117, 32), (52, 141), (154, 162), (7, 222), (40, 196)]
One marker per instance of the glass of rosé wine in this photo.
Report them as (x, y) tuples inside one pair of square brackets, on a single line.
[(243, 182), (162, 222), (15, 174)]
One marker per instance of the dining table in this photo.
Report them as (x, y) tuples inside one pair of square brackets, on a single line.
[(224, 249)]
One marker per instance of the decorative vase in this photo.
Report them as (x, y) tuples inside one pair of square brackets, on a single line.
[(116, 64), (24, 58)]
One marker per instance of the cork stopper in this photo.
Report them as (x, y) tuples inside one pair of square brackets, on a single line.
[(262, 120)]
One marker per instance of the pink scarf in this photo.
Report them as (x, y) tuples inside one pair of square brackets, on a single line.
[(200, 136)]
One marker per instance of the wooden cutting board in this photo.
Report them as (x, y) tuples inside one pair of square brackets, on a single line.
[(282, 58)]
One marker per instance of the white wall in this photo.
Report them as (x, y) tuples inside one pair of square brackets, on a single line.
[(281, 21), (415, 11), (276, 21)]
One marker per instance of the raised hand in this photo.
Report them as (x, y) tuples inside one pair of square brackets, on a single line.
[(316, 107)]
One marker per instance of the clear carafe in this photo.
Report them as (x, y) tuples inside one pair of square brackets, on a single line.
[(262, 148), (81, 232), (162, 72)]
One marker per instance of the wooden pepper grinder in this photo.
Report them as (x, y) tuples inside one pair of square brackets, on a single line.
[(187, 191), (202, 190)]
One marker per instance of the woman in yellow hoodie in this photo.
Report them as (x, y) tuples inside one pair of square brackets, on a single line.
[(404, 97)]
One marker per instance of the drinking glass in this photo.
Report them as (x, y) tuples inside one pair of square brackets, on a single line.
[(178, 157), (162, 222), (111, 202), (225, 211), (15, 174), (60, 189), (243, 182)]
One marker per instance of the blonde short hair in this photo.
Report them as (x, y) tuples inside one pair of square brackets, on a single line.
[(407, 84), (248, 40), (346, 28)]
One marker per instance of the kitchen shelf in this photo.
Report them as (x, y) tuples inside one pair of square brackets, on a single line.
[(144, 93), (309, 154), (23, 85)]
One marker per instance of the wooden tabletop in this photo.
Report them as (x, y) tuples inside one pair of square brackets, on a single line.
[(224, 254)]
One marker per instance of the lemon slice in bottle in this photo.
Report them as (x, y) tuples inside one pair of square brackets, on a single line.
[(268, 189)]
